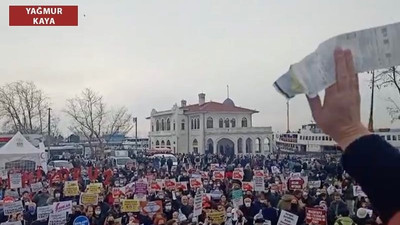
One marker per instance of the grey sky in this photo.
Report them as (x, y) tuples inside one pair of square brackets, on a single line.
[(151, 54)]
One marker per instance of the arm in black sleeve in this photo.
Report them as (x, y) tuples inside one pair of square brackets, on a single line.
[(375, 165)]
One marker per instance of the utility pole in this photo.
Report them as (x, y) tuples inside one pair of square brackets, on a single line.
[(371, 111), (136, 140), (48, 130), (287, 116)]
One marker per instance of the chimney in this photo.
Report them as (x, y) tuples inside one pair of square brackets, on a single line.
[(202, 98), (183, 103)]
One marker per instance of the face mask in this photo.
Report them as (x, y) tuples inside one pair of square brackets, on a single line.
[(168, 208), (229, 214), (57, 195), (247, 204)]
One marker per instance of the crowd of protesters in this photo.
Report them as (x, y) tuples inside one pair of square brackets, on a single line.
[(324, 185)]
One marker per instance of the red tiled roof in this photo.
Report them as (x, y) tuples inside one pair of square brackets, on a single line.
[(216, 107)]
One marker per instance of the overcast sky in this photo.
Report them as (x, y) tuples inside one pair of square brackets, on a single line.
[(151, 54)]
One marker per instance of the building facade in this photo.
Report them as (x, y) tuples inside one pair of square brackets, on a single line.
[(208, 127)]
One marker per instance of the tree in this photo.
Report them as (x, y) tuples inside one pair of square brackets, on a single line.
[(91, 118), (23, 107), (390, 78)]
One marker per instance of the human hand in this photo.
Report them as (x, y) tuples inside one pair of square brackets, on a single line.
[(339, 116)]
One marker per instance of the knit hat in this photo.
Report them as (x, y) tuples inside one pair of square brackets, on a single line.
[(361, 213)]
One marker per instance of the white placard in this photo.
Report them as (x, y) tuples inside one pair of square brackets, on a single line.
[(36, 187), (57, 218), (259, 184), (357, 191), (287, 218), (12, 223), (198, 204), (275, 170), (43, 212), (15, 180), (13, 207), (314, 184), (65, 206)]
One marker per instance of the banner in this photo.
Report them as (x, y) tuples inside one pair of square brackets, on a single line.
[(57, 218), (181, 186), (247, 186), (195, 183), (237, 198), (216, 217), (259, 184), (218, 175), (71, 188), (151, 208), (89, 199), (43, 212), (64, 207), (316, 216), (15, 180), (130, 205), (170, 184), (198, 204), (12, 208), (287, 218), (36, 187), (94, 188)]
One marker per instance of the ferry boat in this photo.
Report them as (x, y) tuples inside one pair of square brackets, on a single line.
[(311, 139)]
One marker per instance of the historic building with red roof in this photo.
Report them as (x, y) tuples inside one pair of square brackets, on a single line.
[(208, 126)]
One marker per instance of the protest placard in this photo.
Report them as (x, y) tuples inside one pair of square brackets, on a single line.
[(71, 188), (170, 184), (314, 184), (237, 198), (295, 183), (216, 217), (218, 175), (89, 199), (152, 207), (195, 183), (94, 188), (287, 218), (12, 223), (204, 175), (64, 206), (57, 218), (259, 184), (238, 174), (15, 180), (141, 187), (181, 186), (247, 186), (130, 205), (316, 216), (140, 197), (198, 204), (214, 166), (43, 212), (155, 186), (259, 173), (275, 170), (12, 208)]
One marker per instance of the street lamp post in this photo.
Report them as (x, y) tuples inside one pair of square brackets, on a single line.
[(136, 140)]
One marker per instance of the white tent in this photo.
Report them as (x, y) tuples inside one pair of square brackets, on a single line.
[(20, 153)]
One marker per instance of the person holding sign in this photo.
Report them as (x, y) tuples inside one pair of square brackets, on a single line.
[(366, 156)]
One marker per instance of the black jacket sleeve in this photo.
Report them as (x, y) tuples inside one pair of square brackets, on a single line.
[(375, 165)]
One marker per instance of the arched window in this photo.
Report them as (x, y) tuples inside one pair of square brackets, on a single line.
[(233, 123), (162, 124), (249, 146), (173, 125), (267, 146), (258, 145), (162, 144), (168, 144), (152, 127), (227, 123), (183, 124), (157, 125), (192, 124), (221, 123), (210, 122), (195, 146), (198, 123), (244, 122), (157, 144), (240, 145), (168, 124)]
